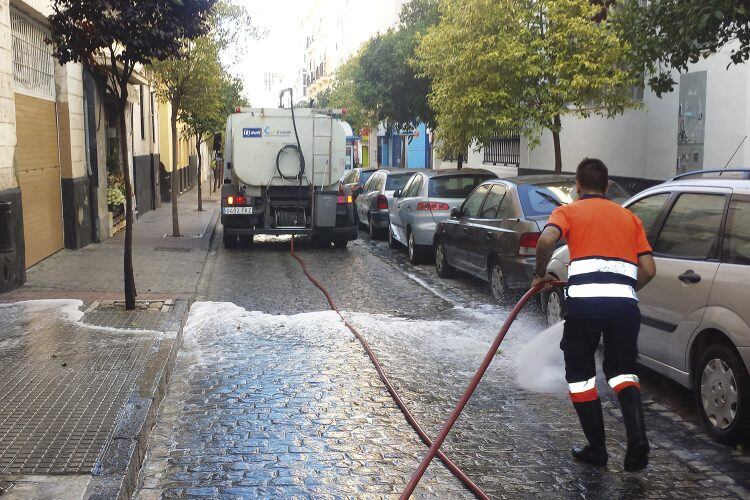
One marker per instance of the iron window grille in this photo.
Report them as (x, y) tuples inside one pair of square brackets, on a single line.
[(33, 64), (503, 148)]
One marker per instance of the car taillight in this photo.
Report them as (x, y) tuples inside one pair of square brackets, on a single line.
[(527, 244), (344, 200), (236, 200), (432, 205), (382, 202)]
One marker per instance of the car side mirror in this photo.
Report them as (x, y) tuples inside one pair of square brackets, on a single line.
[(456, 213)]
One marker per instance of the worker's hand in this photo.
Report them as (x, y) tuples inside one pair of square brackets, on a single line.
[(547, 278)]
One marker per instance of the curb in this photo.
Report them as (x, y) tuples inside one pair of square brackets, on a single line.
[(120, 464), (122, 460)]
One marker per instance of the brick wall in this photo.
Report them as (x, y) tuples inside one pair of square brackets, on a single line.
[(7, 103)]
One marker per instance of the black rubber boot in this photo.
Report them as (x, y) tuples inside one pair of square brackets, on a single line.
[(636, 456), (592, 422)]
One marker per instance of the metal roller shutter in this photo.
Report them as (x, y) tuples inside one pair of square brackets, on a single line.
[(37, 157)]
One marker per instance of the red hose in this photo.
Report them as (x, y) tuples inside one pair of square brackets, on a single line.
[(392, 390), (435, 447)]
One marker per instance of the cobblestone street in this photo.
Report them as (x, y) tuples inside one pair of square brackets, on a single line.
[(273, 397)]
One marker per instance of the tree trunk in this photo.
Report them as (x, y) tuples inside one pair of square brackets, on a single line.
[(175, 184), (200, 178), (556, 140), (130, 291), (460, 161)]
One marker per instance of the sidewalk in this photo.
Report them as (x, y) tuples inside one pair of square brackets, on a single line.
[(81, 377), (164, 267)]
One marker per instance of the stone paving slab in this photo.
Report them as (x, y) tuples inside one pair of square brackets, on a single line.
[(430, 334), (77, 395), (264, 406), (163, 266)]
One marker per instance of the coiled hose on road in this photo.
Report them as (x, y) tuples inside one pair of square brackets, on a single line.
[(434, 445)]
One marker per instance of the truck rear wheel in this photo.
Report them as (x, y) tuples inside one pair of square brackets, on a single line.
[(245, 241)]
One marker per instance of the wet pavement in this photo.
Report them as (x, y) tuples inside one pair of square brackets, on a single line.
[(272, 397), (78, 382)]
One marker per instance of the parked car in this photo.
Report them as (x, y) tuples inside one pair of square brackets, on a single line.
[(493, 235), (372, 204), (354, 180), (427, 199), (695, 325)]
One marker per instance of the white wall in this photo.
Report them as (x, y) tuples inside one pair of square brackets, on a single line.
[(148, 142), (69, 86), (7, 103), (643, 143)]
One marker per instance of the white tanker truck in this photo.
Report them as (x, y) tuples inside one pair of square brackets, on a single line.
[(281, 176)]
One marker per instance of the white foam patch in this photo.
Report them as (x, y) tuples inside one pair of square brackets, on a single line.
[(68, 309), (464, 338), (211, 322), (540, 366), (41, 313), (419, 281)]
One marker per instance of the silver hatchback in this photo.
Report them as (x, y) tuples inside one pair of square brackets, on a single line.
[(695, 326), (427, 199)]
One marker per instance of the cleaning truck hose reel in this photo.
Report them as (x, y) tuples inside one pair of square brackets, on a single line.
[(297, 148), (298, 151)]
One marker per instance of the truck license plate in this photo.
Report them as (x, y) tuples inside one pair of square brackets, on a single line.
[(238, 210)]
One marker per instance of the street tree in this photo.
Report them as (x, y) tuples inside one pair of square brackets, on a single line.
[(202, 105), (112, 38), (381, 79), (343, 94), (670, 34), (228, 22), (522, 64)]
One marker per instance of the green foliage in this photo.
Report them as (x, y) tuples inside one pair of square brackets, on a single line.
[(345, 94), (131, 32), (379, 84), (670, 34), (521, 64), (202, 106)]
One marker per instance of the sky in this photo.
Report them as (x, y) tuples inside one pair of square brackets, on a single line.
[(278, 51)]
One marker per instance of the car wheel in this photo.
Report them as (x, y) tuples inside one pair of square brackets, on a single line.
[(230, 240), (444, 269), (722, 390), (415, 253), (555, 306), (497, 281), (392, 241)]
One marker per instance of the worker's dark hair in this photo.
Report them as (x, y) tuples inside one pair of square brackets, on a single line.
[(592, 175)]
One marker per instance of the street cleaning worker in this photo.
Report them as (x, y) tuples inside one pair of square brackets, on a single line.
[(610, 258)]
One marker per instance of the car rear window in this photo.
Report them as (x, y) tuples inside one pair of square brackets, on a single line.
[(397, 181), (455, 186), (364, 175), (542, 198)]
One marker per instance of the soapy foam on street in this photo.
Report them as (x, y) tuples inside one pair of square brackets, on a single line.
[(540, 366)]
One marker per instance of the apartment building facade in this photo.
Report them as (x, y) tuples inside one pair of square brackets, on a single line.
[(58, 146)]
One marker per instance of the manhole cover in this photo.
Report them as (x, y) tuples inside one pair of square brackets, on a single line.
[(141, 305), (170, 249)]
